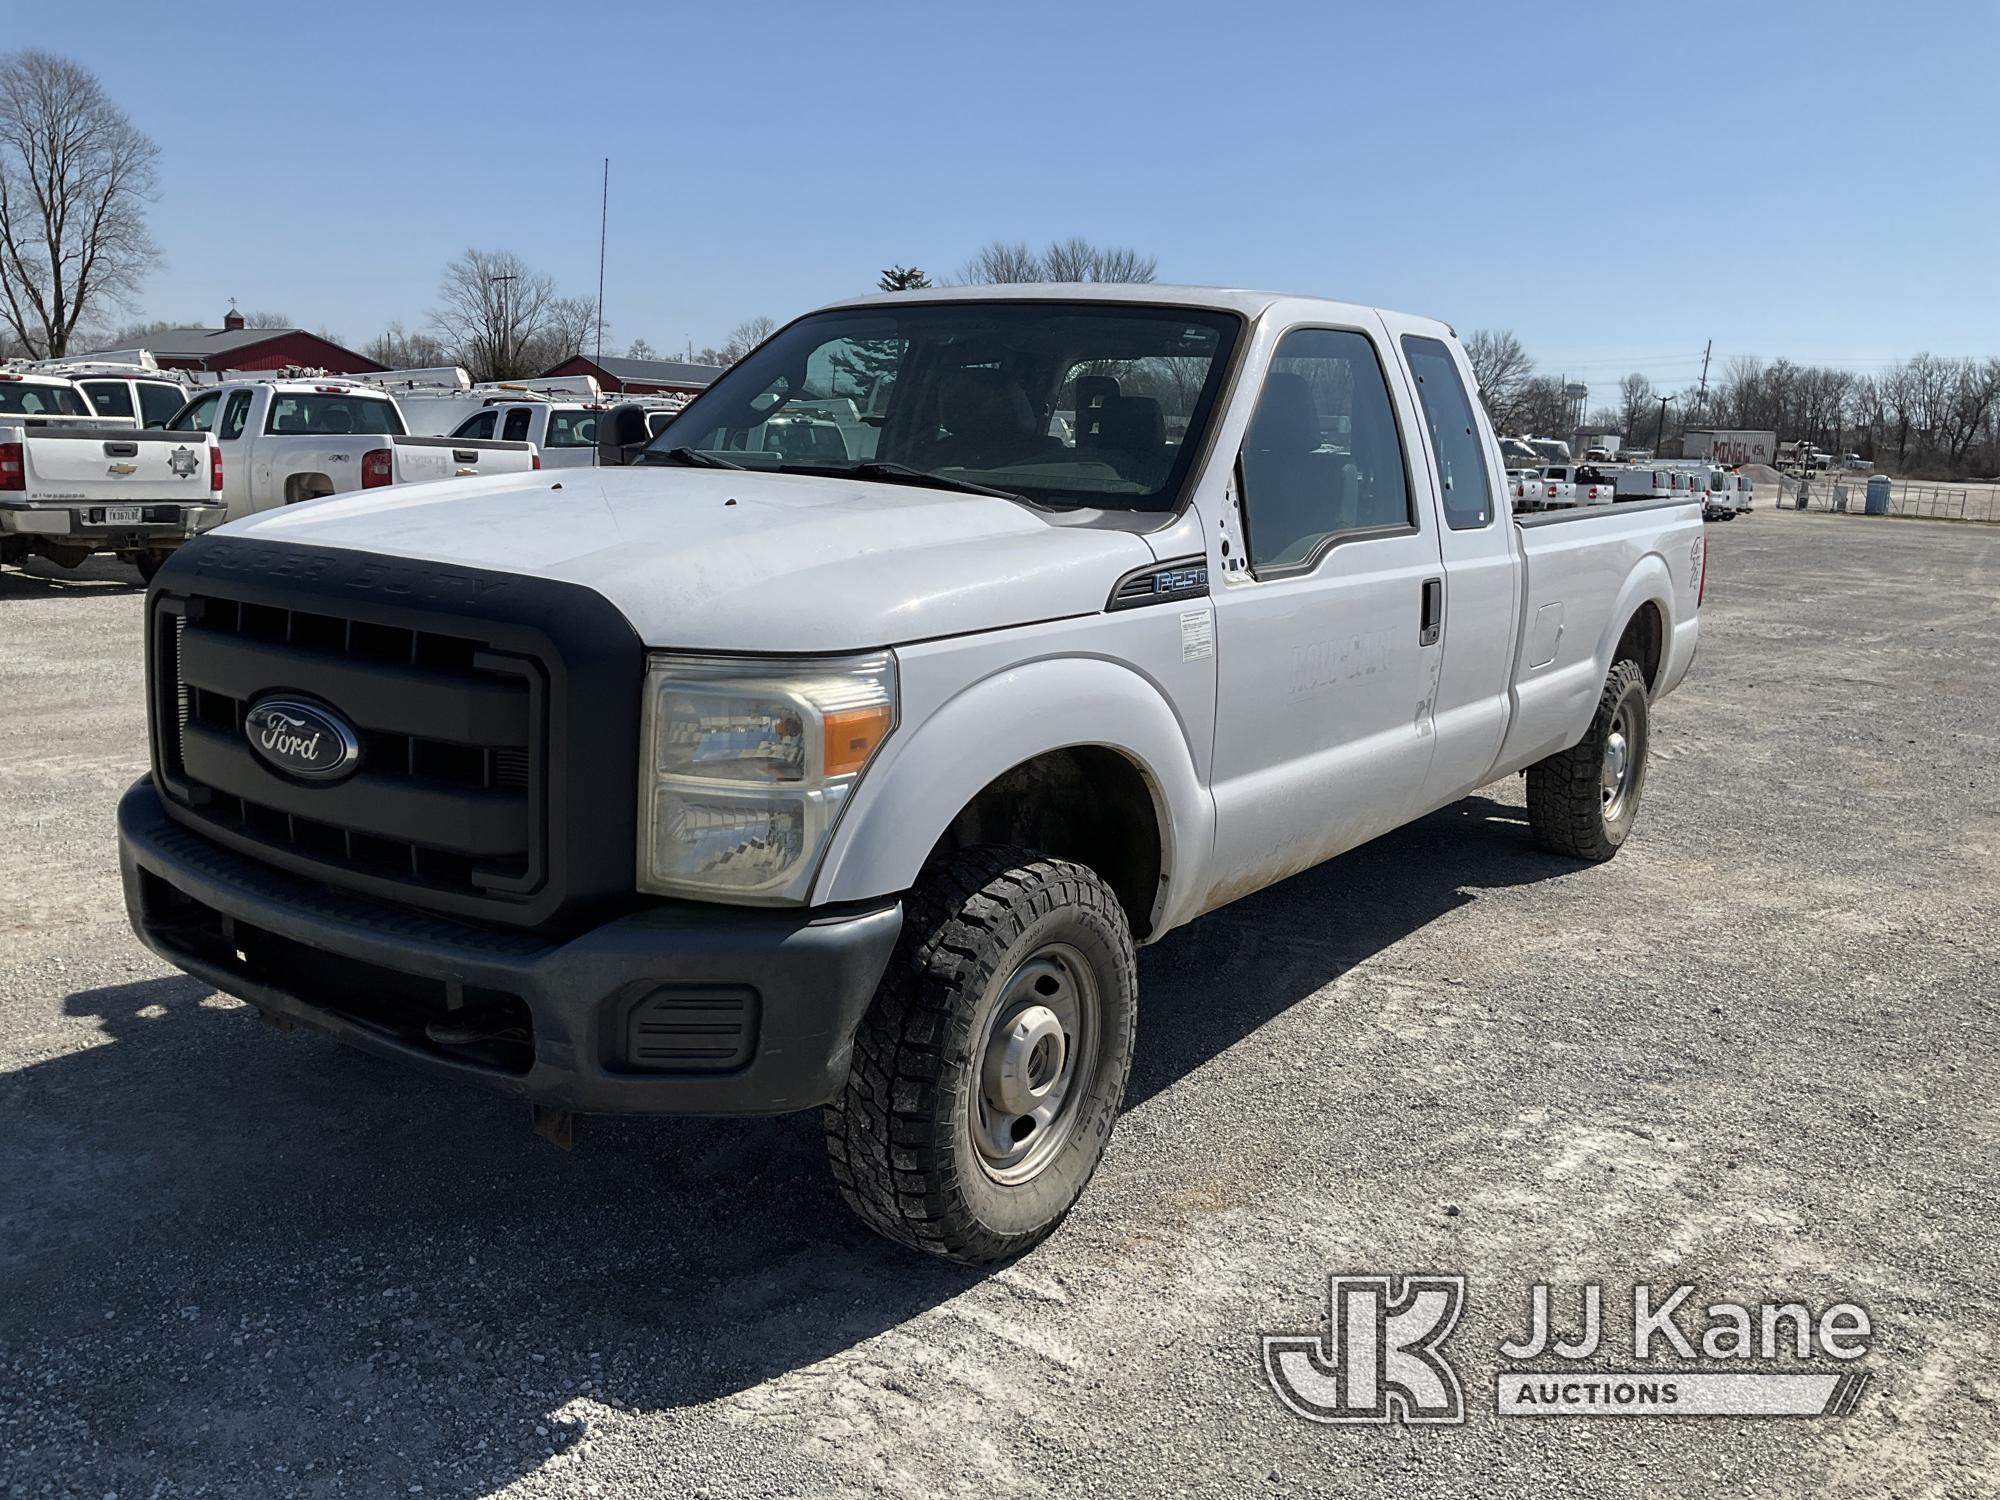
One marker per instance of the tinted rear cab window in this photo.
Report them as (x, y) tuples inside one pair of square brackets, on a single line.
[(23, 399), (335, 415), (1461, 456), (158, 401), (110, 397)]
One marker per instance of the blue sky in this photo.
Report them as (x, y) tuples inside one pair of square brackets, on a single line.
[(1615, 183)]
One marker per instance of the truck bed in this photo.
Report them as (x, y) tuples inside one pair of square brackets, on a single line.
[(1587, 564)]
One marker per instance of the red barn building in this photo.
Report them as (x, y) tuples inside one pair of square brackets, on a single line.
[(640, 377), (235, 347)]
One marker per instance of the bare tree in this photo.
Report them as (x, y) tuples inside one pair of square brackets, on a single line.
[(400, 349), (1073, 259), (568, 329), (267, 320), (1000, 264), (1541, 406), (1076, 259), (1636, 399), (746, 336), (75, 175), (1500, 365), (492, 311)]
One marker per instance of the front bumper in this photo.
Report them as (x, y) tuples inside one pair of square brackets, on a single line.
[(682, 1008), (161, 525)]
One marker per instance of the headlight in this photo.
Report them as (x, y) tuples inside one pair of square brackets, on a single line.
[(747, 767)]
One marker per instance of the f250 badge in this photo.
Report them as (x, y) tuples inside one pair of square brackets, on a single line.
[(301, 739), (182, 462)]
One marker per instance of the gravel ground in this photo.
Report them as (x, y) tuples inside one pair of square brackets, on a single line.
[(1755, 1052)]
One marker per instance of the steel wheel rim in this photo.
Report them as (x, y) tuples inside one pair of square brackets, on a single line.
[(1033, 1063), (1615, 776)]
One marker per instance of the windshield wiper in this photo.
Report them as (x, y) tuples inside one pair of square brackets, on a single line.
[(697, 458), (905, 474)]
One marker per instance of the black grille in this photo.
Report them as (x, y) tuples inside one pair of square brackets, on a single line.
[(470, 794), (434, 713)]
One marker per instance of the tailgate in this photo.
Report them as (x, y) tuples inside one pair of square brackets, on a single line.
[(421, 458), (112, 464)]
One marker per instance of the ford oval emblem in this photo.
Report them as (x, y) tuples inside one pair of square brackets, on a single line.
[(301, 739)]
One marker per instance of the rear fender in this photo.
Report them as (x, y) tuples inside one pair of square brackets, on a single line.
[(1650, 582)]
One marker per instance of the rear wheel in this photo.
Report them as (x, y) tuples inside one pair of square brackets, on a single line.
[(1582, 801), (990, 1069), (148, 563)]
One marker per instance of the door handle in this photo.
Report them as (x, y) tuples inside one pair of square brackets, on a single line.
[(1430, 626)]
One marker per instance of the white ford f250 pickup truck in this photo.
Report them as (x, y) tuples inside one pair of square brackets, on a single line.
[(72, 484), (284, 441), (732, 782)]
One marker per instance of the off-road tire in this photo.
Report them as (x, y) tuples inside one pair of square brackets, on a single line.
[(1566, 796), (900, 1137)]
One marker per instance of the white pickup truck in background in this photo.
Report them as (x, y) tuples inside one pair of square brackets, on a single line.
[(73, 484), (284, 441), (565, 433), (130, 384), (739, 780)]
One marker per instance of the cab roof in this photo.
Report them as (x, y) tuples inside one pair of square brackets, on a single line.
[(1251, 304)]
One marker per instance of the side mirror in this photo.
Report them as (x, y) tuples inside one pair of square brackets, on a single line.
[(621, 436)]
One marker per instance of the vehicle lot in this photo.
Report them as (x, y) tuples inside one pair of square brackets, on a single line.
[(1754, 1052)]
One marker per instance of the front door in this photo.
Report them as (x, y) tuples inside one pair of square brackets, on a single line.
[(1327, 659)]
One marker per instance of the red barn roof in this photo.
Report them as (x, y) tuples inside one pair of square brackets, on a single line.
[(251, 349)]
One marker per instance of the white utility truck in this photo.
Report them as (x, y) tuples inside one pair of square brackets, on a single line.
[(284, 441), (731, 782), (120, 385), (563, 432), (73, 483)]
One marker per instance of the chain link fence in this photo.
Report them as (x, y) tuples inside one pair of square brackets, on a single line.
[(1907, 497)]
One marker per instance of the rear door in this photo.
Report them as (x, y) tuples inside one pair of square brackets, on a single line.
[(1471, 693), (1323, 729)]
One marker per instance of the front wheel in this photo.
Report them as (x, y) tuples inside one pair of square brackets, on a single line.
[(991, 1067), (1582, 801)]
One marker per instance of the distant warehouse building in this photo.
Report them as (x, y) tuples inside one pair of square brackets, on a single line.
[(1730, 445), (236, 347), (640, 377)]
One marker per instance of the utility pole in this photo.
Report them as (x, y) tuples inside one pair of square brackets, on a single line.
[(1706, 349), (1660, 442), (603, 221)]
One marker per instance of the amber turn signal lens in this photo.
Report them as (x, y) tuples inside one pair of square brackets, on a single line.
[(852, 735)]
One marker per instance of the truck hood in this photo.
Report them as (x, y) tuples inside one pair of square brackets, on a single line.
[(710, 560)]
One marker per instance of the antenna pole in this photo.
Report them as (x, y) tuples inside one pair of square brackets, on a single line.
[(603, 222)]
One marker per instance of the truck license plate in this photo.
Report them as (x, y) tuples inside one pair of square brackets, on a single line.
[(123, 515)]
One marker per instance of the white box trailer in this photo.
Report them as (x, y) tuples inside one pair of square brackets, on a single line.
[(1730, 446)]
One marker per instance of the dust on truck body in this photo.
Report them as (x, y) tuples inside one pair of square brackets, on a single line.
[(734, 776)]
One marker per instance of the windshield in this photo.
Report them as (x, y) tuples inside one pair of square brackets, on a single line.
[(18, 399), (1061, 403)]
